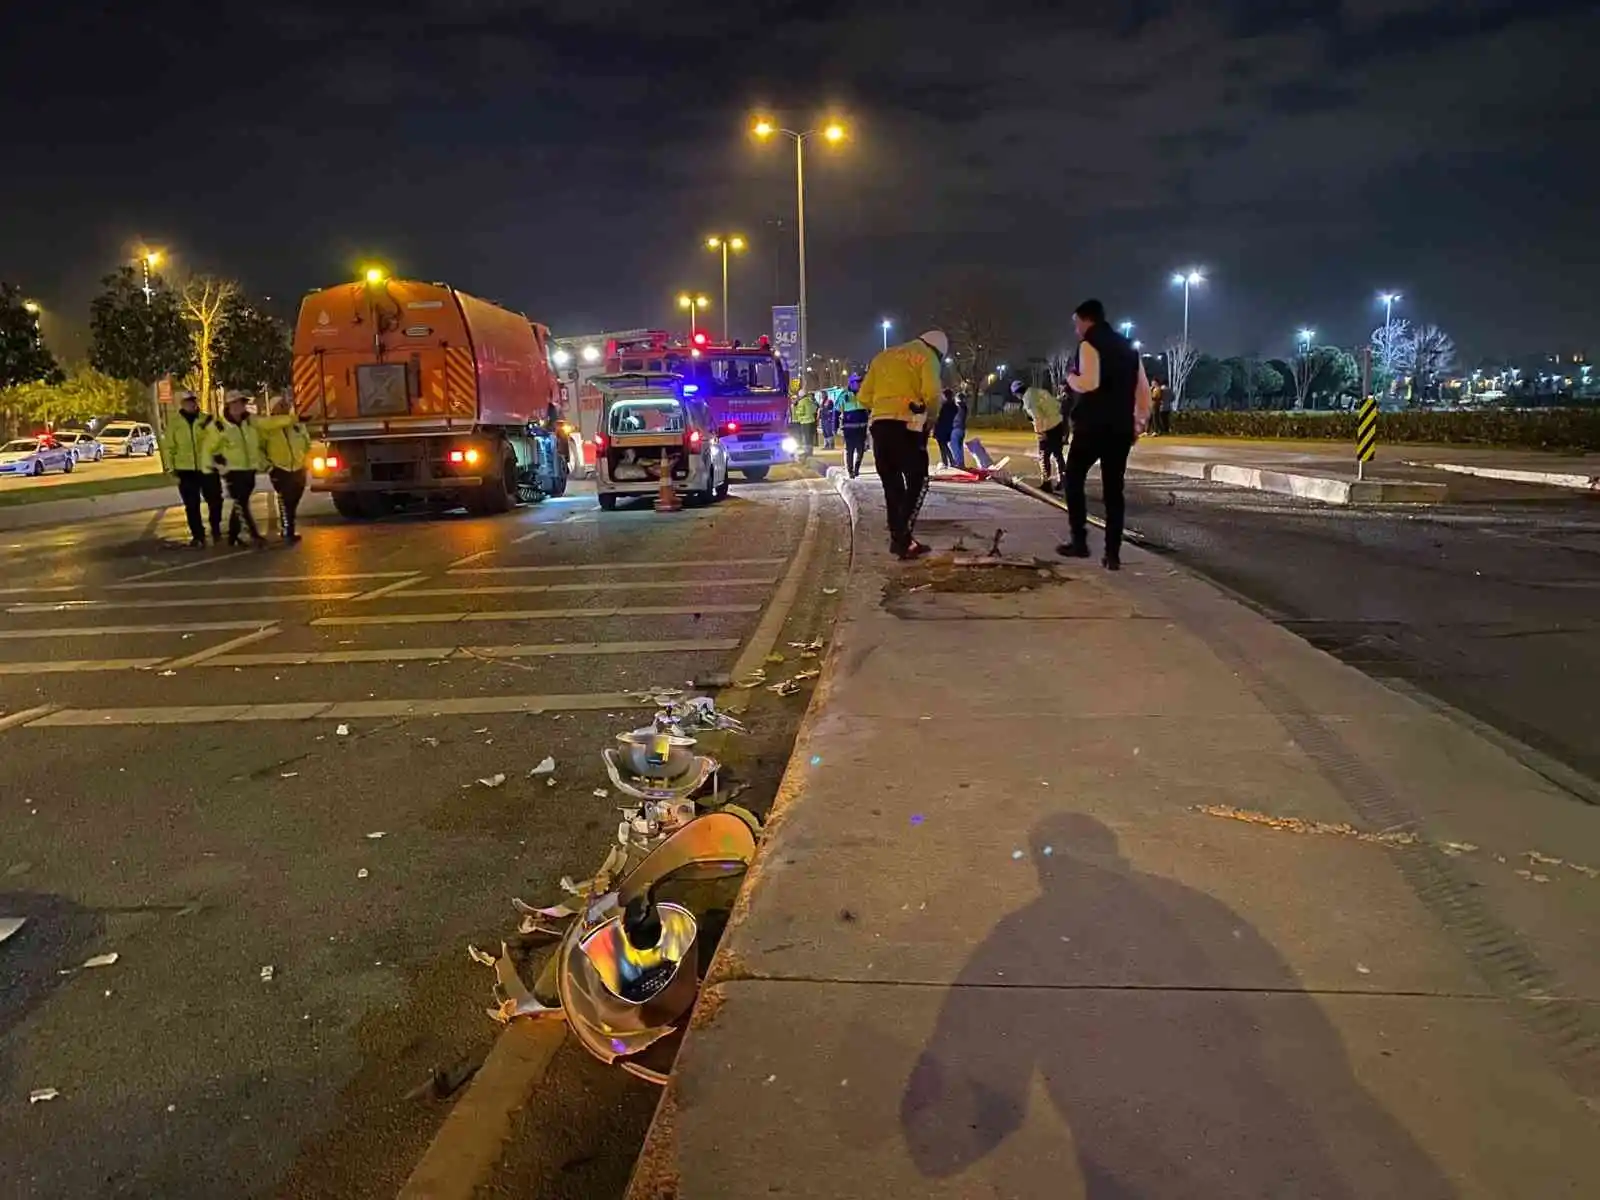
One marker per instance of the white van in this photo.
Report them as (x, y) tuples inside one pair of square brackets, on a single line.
[(128, 438), (650, 429)]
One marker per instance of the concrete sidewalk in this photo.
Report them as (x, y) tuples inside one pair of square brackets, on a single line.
[(1111, 887)]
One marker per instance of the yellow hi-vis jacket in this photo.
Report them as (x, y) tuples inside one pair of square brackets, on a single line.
[(1042, 408), (188, 445), (284, 441), (900, 377), (239, 445)]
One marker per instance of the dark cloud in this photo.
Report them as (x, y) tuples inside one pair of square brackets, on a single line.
[(568, 156)]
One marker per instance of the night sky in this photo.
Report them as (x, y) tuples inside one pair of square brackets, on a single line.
[(568, 158)]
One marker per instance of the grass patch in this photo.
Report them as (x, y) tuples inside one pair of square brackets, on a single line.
[(12, 497)]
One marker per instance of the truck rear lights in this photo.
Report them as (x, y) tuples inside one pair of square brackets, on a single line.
[(468, 457), (325, 462)]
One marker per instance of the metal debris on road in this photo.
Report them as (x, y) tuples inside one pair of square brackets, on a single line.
[(555, 911), (601, 792), (1301, 825), (830, 591), (101, 960), (10, 925), (40, 1095), (493, 781), (784, 687), (267, 972), (375, 835), (288, 774), (753, 680), (430, 741), (479, 956), (165, 673), (343, 731), (545, 767), (363, 873)]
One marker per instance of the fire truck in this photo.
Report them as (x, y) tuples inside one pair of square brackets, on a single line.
[(745, 387)]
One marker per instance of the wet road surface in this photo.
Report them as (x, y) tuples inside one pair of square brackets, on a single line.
[(177, 790)]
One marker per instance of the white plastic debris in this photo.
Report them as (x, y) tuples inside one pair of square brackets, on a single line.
[(363, 873), (375, 835), (1364, 970), (493, 781), (601, 792), (267, 972), (40, 1095), (343, 731), (545, 767), (101, 960), (430, 741), (164, 673), (288, 774), (555, 911)]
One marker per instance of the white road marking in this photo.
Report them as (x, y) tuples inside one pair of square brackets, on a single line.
[(302, 658), (603, 585), (327, 710), (528, 537), (240, 580), (70, 666), (130, 630), (770, 626), (461, 562), (26, 715), (36, 591), (175, 568), (540, 614), (391, 587), (203, 656), (684, 564), (206, 602)]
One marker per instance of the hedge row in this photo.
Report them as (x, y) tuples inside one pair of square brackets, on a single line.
[(1544, 429)]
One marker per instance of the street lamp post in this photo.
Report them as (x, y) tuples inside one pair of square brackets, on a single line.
[(695, 305), (832, 132), (148, 261), (887, 325), (1187, 279), (1389, 299), (725, 244)]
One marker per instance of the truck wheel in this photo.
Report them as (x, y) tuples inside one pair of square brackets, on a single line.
[(498, 495), (558, 483), (608, 502), (755, 474)]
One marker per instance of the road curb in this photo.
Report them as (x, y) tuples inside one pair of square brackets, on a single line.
[(655, 1170), (1322, 489), (1557, 479)]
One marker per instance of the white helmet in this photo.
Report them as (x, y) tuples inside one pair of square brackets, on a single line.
[(937, 339)]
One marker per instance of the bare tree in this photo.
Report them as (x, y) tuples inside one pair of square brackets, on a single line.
[(1061, 364), (974, 314), (1393, 351), (1433, 353), (1181, 357), (203, 302)]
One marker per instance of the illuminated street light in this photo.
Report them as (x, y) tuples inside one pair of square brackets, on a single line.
[(833, 133), (591, 354), (148, 261), (374, 274), (1127, 328), (1305, 335), (1187, 280), (725, 244), (561, 358), (887, 325), (695, 305), (31, 306)]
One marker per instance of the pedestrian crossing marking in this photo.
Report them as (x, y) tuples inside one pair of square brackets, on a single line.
[(70, 666), (506, 589), (302, 658), (193, 602), (665, 565), (199, 657), (66, 631), (246, 580), (540, 614), (389, 588), (327, 710)]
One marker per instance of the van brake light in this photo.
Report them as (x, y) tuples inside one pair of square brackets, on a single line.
[(693, 440)]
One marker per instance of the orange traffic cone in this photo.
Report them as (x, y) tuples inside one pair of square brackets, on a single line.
[(667, 499)]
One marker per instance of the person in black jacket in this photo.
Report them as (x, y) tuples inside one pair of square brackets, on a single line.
[(1113, 404), (943, 425)]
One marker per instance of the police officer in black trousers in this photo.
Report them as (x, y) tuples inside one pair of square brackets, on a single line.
[(1113, 404)]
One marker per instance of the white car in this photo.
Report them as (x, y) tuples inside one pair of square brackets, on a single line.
[(35, 456), (651, 429), (128, 438), (84, 445)]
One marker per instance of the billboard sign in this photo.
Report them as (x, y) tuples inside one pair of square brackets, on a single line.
[(786, 336)]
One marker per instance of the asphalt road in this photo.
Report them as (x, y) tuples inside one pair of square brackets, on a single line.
[(146, 813), (1493, 608)]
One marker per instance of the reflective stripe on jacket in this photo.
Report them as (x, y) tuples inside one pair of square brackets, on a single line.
[(188, 445)]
